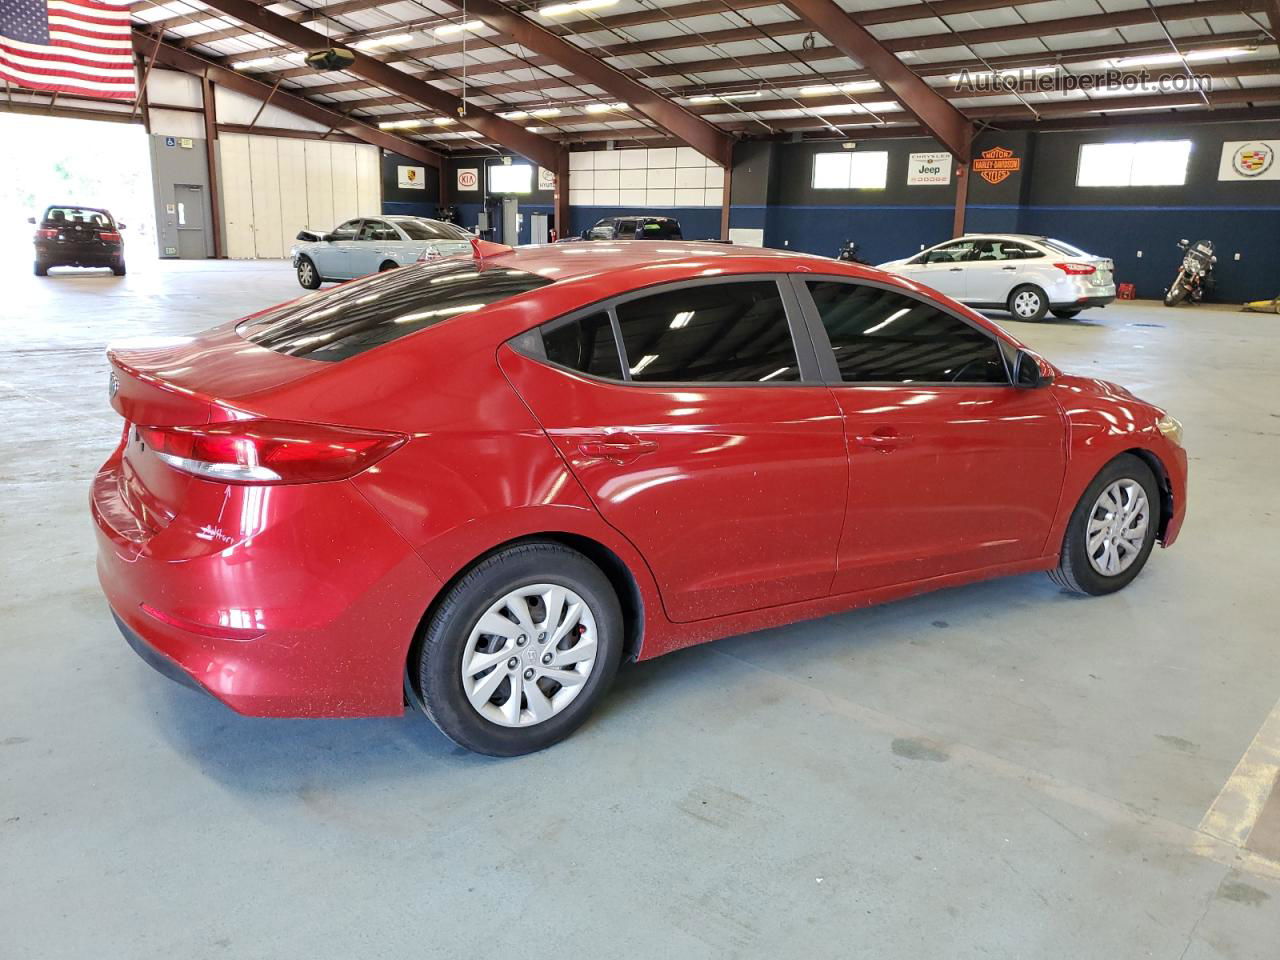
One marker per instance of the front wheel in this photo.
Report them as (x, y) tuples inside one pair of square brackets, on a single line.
[(1028, 303), (521, 650), (1176, 293), (308, 276), (1112, 529)]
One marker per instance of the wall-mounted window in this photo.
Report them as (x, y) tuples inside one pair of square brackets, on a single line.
[(1148, 163), (851, 170), (510, 178)]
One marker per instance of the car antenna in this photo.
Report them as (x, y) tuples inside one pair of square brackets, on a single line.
[(482, 248)]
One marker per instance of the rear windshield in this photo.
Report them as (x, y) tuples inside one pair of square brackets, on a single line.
[(1061, 246), (96, 218), (431, 230), (348, 320), (659, 230)]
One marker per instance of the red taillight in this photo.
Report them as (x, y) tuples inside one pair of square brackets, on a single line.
[(1077, 269), (109, 236), (270, 451), (46, 233)]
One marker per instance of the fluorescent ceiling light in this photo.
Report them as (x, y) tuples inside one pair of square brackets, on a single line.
[(250, 64), (383, 41), (449, 29), (1191, 56), (728, 97), (681, 319), (606, 107), (857, 86), (843, 109), (1163, 106), (545, 112), (560, 9), (443, 121), (399, 124), (514, 115)]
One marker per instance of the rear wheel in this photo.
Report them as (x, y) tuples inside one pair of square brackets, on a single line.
[(1028, 303), (118, 271), (1112, 529), (1066, 314), (42, 269), (387, 265), (520, 650), (308, 276)]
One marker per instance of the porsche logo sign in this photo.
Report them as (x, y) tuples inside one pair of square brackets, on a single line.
[(995, 165)]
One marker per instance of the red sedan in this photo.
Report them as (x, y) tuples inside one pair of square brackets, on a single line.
[(483, 482)]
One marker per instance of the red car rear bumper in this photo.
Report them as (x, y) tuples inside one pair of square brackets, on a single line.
[(311, 616)]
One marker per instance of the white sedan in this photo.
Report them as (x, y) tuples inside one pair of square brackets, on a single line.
[(371, 244), (1028, 276)]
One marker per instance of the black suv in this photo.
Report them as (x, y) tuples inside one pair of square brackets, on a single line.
[(635, 228), (71, 236)]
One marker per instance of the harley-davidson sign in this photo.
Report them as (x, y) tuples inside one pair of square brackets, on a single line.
[(995, 165)]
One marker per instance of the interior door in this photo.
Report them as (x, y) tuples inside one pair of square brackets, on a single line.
[(709, 444), (951, 468)]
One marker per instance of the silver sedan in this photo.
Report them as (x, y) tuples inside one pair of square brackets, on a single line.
[(371, 244)]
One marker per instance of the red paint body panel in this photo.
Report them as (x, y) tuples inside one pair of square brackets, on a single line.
[(737, 508)]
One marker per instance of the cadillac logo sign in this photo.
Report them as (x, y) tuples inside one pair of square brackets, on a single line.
[(1253, 159), (995, 165)]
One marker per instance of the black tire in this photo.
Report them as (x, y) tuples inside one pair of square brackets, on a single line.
[(1074, 571), (308, 275), (1066, 314), (1176, 294), (118, 271), (443, 642), (1018, 303), (42, 269), (387, 265)]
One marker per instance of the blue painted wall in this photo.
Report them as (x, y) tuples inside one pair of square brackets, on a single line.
[(772, 191)]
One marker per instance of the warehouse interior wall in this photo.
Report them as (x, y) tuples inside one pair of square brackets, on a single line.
[(272, 187), (1138, 227)]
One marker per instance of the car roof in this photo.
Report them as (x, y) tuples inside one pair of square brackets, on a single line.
[(75, 206), (642, 216)]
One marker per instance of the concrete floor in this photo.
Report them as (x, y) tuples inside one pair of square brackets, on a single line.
[(997, 770)]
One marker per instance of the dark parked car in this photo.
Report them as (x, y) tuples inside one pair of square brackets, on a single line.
[(71, 236), (635, 228)]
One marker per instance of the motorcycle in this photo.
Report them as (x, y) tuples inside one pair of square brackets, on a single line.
[(849, 253), (1195, 277)]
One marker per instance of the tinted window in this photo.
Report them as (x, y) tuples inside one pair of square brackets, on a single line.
[(728, 332), (359, 316), (377, 230), (601, 231), (87, 215), (880, 336), (659, 230), (432, 230), (626, 229), (952, 253), (586, 344), (1005, 250)]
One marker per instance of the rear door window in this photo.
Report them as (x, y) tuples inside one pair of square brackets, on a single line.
[(355, 317), (731, 332), (585, 344), (432, 230)]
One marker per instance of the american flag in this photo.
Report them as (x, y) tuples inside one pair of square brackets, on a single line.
[(79, 47)]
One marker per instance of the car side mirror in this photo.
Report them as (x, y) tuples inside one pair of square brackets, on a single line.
[(1028, 372), (31, 219), (122, 226)]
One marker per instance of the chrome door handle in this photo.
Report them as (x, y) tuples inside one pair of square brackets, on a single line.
[(616, 447), (955, 269)]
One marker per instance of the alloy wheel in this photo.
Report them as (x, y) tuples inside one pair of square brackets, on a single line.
[(305, 273), (529, 655), (1117, 528), (1026, 304)]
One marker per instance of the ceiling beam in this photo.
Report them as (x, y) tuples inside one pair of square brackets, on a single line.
[(711, 142), (923, 102), (187, 62), (537, 148)]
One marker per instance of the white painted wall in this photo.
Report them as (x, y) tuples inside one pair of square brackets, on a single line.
[(272, 187), (644, 177)]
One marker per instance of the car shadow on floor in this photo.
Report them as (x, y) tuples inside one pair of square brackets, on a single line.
[(266, 756)]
